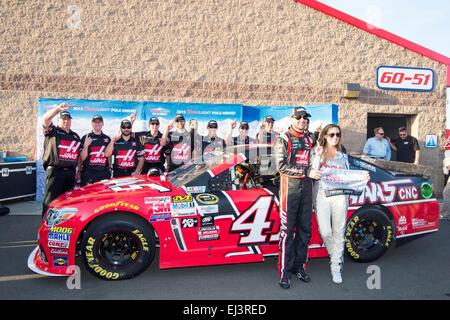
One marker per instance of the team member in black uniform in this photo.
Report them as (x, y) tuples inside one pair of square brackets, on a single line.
[(128, 152), (266, 135), (155, 148), (292, 156), (211, 142), (242, 139), (95, 165), (183, 145), (61, 152)]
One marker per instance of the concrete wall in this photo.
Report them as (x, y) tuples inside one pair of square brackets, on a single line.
[(254, 52)]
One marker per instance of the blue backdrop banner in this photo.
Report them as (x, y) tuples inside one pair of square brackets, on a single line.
[(113, 112)]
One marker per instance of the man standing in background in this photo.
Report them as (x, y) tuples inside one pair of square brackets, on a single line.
[(377, 147), (407, 147)]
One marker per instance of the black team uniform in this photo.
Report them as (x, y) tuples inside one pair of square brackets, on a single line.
[(61, 152), (95, 166), (126, 156)]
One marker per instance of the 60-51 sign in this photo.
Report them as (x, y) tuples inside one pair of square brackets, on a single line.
[(403, 78)]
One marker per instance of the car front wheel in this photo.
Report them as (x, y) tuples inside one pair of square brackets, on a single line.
[(118, 246)]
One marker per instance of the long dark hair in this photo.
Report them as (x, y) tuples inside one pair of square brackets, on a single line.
[(323, 141)]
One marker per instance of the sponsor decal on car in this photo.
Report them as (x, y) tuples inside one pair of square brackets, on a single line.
[(159, 217), (182, 198), (189, 222), (183, 209), (115, 205), (59, 251), (383, 192), (208, 233), (365, 165), (214, 208), (148, 200), (408, 193), (418, 223), (196, 189), (62, 230), (60, 261), (207, 221), (59, 237), (207, 198)]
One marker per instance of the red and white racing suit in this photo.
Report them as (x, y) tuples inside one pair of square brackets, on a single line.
[(292, 155)]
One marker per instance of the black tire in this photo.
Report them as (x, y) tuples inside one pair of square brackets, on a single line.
[(4, 211), (368, 234), (118, 246)]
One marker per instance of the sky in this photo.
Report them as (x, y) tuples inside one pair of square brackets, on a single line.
[(426, 23)]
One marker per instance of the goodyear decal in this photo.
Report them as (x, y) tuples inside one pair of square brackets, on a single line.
[(117, 204)]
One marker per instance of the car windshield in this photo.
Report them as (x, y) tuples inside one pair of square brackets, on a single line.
[(397, 168), (194, 168)]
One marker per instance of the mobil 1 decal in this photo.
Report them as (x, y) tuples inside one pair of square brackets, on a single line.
[(255, 224)]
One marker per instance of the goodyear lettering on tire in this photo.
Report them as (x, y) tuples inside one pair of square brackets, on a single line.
[(89, 254)]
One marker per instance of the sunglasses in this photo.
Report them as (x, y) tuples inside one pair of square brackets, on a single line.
[(243, 128), (212, 127), (331, 135), (381, 134), (126, 127), (301, 117), (154, 124)]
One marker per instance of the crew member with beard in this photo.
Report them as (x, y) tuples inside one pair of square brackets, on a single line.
[(127, 150), (241, 140), (292, 156), (267, 135), (183, 144), (155, 146)]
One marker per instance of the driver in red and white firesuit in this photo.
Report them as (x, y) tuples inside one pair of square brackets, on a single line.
[(292, 157)]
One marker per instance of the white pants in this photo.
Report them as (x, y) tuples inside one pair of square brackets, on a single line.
[(331, 214)]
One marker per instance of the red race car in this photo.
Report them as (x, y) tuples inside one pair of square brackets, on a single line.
[(220, 211)]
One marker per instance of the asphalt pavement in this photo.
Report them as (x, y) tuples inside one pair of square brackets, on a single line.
[(417, 269)]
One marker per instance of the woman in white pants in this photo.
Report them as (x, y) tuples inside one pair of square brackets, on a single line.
[(331, 212)]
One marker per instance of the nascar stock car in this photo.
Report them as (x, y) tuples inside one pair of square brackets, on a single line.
[(220, 211)]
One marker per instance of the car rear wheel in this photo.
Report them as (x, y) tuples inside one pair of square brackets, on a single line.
[(368, 234), (118, 246)]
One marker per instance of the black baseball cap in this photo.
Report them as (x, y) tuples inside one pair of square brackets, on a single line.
[(269, 119), (97, 117), (212, 124), (244, 125), (153, 120), (64, 114), (125, 121), (179, 117), (299, 111)]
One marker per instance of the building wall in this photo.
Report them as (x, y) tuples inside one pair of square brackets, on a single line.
[(254, 52)]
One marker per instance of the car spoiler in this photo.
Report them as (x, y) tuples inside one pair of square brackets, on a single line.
[(397, 168)]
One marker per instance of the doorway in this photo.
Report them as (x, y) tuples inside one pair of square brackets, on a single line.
[(390, 123)]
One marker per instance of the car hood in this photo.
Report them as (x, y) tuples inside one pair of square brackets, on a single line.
[(135, 186)]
